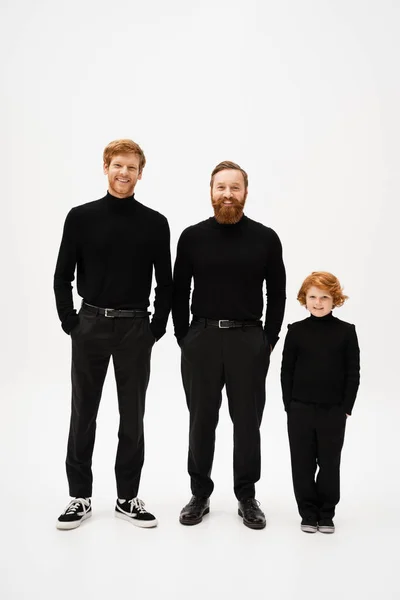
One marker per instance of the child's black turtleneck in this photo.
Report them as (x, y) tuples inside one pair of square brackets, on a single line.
[(321, 362), (114, 243)]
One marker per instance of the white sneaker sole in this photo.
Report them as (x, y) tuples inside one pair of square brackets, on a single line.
[(309, 528), (325, 529), (72, 524), (145, 524)]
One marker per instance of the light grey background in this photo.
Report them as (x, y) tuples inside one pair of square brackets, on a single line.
[(304, 95)]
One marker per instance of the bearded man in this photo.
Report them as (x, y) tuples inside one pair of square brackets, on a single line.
[(229, 256)]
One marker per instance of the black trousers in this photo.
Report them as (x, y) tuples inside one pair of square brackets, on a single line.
[(239, 359), (129, 341), (316, 435)]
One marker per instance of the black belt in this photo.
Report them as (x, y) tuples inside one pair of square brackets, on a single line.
[(114, 312), (226, 324)]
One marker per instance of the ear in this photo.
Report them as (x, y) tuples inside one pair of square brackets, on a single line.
[(105, 169), (140, 174)]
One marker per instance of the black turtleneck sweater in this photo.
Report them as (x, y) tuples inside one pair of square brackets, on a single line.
[(114, 243), (228, 264), (321, 362)]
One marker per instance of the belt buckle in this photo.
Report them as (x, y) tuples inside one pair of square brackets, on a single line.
[(223, 326), (106, 313)]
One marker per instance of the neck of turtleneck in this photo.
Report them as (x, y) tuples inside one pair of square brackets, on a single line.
[(127, 200), (324, 319), (120, 205), (229, 226)]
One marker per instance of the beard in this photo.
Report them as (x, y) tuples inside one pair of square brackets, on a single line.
[(228, 214)]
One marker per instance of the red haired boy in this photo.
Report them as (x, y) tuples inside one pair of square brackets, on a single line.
[(320, 375)]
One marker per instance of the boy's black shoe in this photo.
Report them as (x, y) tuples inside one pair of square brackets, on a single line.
[(133, 510), (77, 511), (194, 511), (309, 525), (326, 526), (251, 513)]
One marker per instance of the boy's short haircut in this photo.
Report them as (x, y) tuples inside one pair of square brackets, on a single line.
[(123, 147), (325, 281)]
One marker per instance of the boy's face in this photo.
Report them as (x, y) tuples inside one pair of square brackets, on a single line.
[(318, 302)]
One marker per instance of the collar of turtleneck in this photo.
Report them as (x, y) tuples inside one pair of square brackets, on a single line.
[(323, 319), (118, 204), (127, 200), (229, 226)]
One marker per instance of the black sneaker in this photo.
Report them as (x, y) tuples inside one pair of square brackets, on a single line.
[(309, 525), (77, 511), (134, 511), (326, 526)]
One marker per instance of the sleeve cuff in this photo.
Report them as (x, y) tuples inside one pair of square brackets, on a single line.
[(70, 323), (158, 332)]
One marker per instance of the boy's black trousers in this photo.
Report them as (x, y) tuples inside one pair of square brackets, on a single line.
[(316, 435), (95, 340), (239, 359)]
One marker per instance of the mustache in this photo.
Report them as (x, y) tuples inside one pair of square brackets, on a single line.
[(220, 203)]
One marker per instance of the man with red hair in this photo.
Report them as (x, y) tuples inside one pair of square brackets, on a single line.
[(229, 257), (114, 244)]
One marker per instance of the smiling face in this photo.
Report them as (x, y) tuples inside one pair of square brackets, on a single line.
[(123, 174), (228, 196), (318, 302)]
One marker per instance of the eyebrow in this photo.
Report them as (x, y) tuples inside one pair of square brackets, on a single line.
[(118, 162), (231, 184)]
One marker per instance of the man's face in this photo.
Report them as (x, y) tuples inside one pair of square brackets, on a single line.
[(123, 173), (318, 302), (228, 196)]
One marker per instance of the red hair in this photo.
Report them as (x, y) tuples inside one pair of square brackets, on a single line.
[(325, 281), (123, 147)]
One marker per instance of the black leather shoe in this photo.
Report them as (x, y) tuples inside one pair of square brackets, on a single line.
[(193, 513), (252, 514)]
